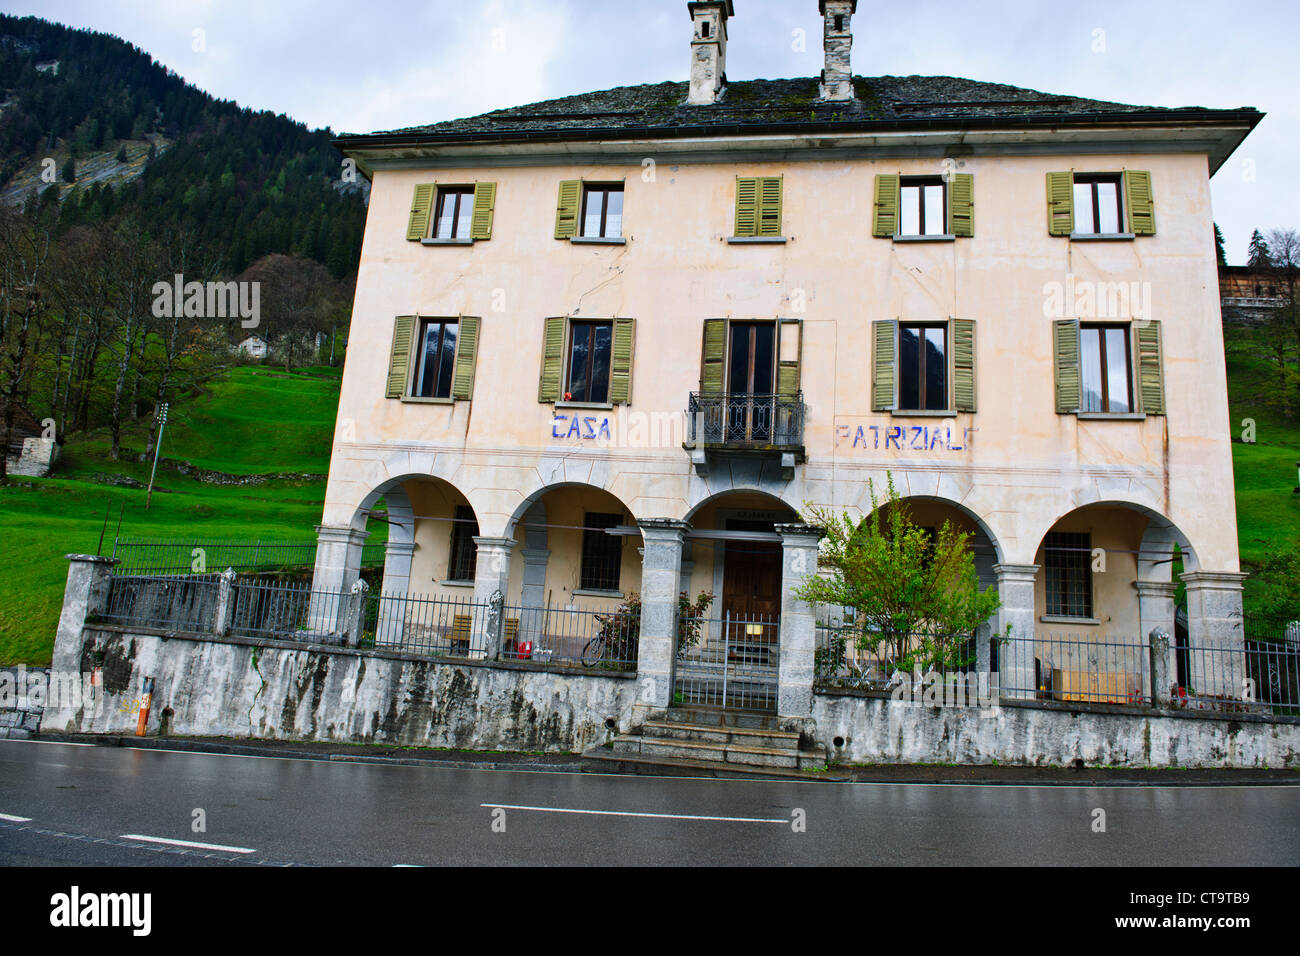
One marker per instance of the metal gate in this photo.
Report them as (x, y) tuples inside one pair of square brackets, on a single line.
[(732, 664)]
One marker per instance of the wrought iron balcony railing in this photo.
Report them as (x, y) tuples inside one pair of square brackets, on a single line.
[(745, 420)]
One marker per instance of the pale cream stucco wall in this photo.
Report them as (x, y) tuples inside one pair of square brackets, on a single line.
[(1020, 468)]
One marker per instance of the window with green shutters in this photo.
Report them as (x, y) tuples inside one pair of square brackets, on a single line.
[(433, 358), (923, 366), (592, 356), (1108, 368), (433, 204), (758, 207), (923, 207), (1083, 204)]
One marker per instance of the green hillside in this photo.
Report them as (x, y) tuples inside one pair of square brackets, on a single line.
[(254, 420)]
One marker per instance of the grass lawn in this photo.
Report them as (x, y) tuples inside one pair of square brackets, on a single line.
[(256, 420)]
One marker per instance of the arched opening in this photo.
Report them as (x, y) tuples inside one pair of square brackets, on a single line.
[(1107, 578)]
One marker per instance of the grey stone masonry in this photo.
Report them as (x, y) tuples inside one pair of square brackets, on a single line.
[(1215, 634), (85, 594), (491, 579), (660, 575), (796, 667), (837, 43), (708, 50), (23, 693), (1161, 667), (1016, 656)]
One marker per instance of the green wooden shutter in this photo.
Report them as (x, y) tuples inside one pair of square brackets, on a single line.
[(417, 227), (1137, 197), (1060, 204), (961, 205), (769, 206), (1151, 374), (620, 369), (882, 371), (746, 206), (399, 361), (462, 380), (548, 387), (963, 364), (567, 208), (485, 200), (713, 357), (884, 214), (1065, 334), (788, 356)]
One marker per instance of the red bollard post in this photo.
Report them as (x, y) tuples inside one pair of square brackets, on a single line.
[(143, 722)]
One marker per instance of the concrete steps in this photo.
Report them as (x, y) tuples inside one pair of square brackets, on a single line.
[(703, 741)]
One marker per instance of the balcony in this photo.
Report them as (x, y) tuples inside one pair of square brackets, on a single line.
[(742, 423)]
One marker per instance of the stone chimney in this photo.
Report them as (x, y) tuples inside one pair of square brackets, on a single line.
[(708, 49), (837, 41)]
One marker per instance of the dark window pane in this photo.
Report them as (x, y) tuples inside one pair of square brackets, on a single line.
[(578, 363), (909, 368), (763, 359), (602, 341), (1067, 561), (464, 552), (936, 370), (738, 380), (602, 554), (447, 361)]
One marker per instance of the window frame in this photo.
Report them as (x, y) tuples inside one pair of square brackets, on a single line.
[(899, 408), (603, 548), (1093, 180), (920, 183), (605, 189), (441, 194), (415, 375), (1076, 560), (462, 549), (570, 340), (1102, 327)]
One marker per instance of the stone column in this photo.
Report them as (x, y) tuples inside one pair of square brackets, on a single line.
[(657, 647), (1156, 614), (338, 565), (1215, 637), (1016, 656), (1158, 645), (84, 595), (225, 593), (796, 669), (491, 576), (396, 586)]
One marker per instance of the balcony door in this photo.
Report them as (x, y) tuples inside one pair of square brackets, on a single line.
[(751, 373)]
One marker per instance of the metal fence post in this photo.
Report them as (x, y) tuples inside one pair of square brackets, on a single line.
[(225, 598), (356, 616), (1158, 643)]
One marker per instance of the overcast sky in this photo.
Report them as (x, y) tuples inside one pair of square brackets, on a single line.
[(383, 64)]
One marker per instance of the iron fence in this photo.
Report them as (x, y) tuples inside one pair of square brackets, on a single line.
[(600, 639), (730, 661), (175, 602), (1075, 667), (194, 556), (743, 419), (1263, 677), (849, 655), (453, 627), (285, 610)]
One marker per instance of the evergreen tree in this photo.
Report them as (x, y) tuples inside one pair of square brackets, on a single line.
[(1257, 257), (1218, 246), (70, 171)]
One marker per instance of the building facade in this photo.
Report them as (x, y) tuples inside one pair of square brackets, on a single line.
[(617, 343)]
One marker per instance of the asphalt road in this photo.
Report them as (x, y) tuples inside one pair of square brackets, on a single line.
[(69, 804)]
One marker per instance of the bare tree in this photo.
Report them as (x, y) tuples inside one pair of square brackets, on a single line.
[(294, 296), (25, 240), (1284, 257)]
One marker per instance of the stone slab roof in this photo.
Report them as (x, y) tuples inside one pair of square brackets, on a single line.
[(888, 100)]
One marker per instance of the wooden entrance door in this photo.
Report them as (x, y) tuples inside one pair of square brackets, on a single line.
[(751, 580)]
